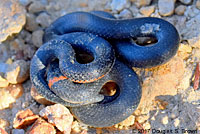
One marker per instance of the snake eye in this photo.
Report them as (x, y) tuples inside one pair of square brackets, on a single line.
[(109, 88), (145, 41)]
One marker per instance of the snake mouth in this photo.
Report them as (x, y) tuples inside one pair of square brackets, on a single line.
[(145, 41), (109, 88)]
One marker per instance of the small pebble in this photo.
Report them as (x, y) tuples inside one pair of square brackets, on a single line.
[(179, 10), (3, 82), (125, 14), (165, 120), (31, 24), (140, 3), (35, 7), (39, 98), (25, 104), (42, 127), (166, 7), (4, 123), (59, 116), (2, 131), (6, 99), (147, 11), (28, 51), (18, 131), (15, 90), (17, 72), (142, 118), (186, 1), (25, 2), (12, 20), (174, 112), (129, 121), (37, 38), (118, 5), (147, 125), (198, 4), (43, 19), (24, 119), (176, 122), (76, 128), (9, 95)]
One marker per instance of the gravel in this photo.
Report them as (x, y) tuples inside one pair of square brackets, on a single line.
[(168, 102)]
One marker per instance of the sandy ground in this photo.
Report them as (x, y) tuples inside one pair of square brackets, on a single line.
[(169, 101)]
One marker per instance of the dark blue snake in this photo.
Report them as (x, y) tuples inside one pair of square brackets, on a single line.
[(60, 78)]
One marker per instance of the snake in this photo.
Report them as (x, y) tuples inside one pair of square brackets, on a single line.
[(112, 109), (59, 77), (129, 52)]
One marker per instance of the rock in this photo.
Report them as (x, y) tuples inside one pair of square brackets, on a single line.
[(4, 52), (15, 90), (17, 72), (189, 115), (186, 1), (39, 98), (43, 19), (18, 131), (13, 18), (59, 116), (9, 95), (174, 112), (42, 127), (24, 119), (118, 5), (164, 81), (76, 128), (166, 7), (147, 11), (147, 126), (176, 122), (5, 99), (128, 122), (198, 4), (134, 10), (142, 118), (191, 12), (125, 14), (36, 6), (192, 96), (31, 24), (24, 2), (194, 42), (2, 131), (29, 51), (4, 123), (184, 50), (3, 82), (179, 10), (165, 120), (190, 32), (161, 104), (140, 3), (37, 38)]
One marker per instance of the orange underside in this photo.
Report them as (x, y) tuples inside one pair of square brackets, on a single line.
[(56, 79)]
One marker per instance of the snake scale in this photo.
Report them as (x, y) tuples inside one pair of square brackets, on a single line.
[(59, 77)]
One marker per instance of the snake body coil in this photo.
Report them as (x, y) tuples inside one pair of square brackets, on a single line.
[(112, 109), (60, 78), (130, 53)]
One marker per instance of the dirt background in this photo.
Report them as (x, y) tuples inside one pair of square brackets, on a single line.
[(169, 100)]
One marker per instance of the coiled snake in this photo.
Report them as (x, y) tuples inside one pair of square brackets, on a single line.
[(59, 77)]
